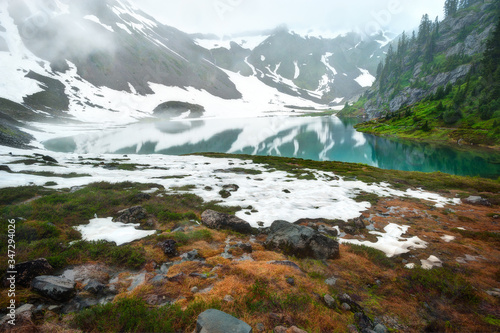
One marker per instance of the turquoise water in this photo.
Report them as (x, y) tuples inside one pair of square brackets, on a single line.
[(315, 138)]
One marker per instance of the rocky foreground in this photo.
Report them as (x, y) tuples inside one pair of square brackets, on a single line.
[(407, 264)]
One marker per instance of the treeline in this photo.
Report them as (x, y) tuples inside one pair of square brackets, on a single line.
[(451, 7), (479, 93)]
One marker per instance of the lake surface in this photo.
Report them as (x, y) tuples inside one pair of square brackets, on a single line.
[(315, 138)]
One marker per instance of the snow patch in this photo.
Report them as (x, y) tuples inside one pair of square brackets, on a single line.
[(431, 262), (95, 19), (391, 242), (106, 229), (297, 70), (365, 79), (447, 238)]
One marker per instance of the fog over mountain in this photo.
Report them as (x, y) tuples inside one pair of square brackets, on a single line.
[(235, 16)]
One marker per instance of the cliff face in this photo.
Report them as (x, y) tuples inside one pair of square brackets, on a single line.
[(440, 54)]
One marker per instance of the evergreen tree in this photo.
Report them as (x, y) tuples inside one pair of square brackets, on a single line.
[(450, 8), (380, 68), (424, 30)]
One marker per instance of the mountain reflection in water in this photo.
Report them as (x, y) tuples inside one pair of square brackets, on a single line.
[(315, 138)]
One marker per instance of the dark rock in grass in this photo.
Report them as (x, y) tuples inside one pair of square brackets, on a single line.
[(27, 271), (216, 220), (358, 223), (142, 196), (285, 263), (179, 278), (191, 256), (215, 321), (95, 287), (364, 323), (131, 215), (290, 281), (477, 201), (49, 159), (56, 288), (300, 241), (346, 299), (169, 247), (245, 247)]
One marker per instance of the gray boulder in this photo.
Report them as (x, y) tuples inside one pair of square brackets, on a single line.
[(216, 220), (215, 321), (131, 215), (56, 288), (477, 201), (300, 241)]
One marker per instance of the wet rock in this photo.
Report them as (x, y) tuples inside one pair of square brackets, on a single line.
[(157, 280), (300, 241), (27, 271), (95, 287), (477, 201), (169, 247), (131, 215), (216, 220), (191, 256), (328, 231), (215, 321), (56, 288)]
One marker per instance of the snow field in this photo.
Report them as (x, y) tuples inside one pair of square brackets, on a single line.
[(272, 195)]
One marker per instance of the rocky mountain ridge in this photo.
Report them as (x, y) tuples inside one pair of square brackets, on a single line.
[(455, 45)]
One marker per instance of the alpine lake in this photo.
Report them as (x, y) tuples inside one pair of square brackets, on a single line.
[(326, 138)]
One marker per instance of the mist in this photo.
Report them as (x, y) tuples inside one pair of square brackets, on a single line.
[(226, 17)]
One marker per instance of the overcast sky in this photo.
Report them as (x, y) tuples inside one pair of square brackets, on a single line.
[(234, 16)]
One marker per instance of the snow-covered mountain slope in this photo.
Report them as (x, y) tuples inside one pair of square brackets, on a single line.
[(328, 71), (107, 61)]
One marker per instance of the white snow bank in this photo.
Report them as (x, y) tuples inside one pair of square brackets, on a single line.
[(447, 238), (431, 262), (365, 79), (275, 195), (391, 242), (106, 229)]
